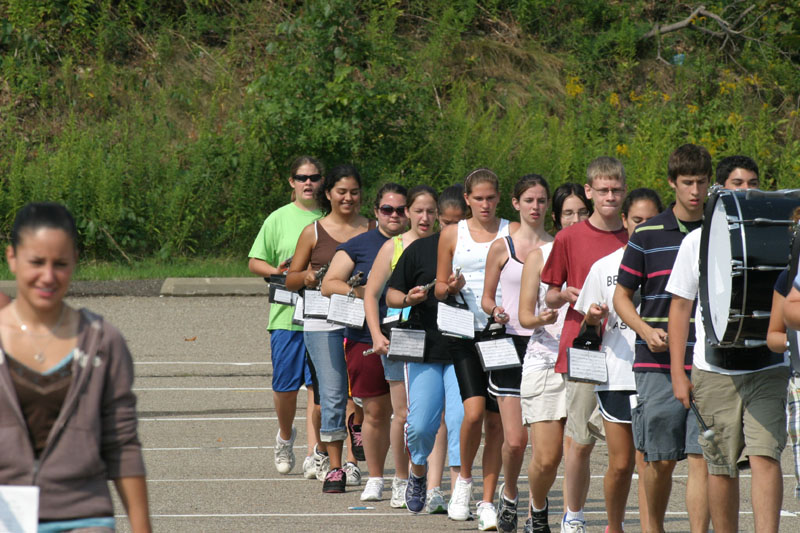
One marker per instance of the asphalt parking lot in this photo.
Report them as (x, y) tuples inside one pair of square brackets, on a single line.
[(208, 425)]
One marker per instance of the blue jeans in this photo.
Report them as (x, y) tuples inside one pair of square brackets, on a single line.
[(326, 349), (429, 387)]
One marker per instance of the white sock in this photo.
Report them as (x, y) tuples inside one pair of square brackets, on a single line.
[(535, 510), (506, 498), (575, 515), (282, 441)]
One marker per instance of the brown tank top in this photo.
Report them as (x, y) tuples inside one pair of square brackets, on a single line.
[(40, 397), (325, 249)]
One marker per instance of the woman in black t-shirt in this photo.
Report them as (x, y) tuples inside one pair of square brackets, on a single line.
[(431, 384)]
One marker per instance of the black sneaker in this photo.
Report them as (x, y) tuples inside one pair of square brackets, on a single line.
[(416, 491), (506, 514), (335, 481), (537, 521), (355, 438)]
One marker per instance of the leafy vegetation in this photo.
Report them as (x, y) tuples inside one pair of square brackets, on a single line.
[(167, 127)]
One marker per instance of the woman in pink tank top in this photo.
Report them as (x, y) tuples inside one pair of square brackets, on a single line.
[(504, 266)]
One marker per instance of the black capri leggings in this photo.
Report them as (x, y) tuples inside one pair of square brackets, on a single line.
[(472, 380)]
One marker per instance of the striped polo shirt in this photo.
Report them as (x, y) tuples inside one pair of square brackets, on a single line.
[(646, 265)]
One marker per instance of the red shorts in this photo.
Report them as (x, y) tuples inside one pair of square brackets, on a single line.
[(364, 371)]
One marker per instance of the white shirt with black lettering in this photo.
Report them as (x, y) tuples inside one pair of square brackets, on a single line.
[(618, 338)]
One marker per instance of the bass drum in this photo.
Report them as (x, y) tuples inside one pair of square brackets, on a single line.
[(744, 246)]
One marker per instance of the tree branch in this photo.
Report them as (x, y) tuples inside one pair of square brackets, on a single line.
[(661, 30)]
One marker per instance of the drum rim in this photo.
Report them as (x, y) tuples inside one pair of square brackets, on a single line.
[(792, 334)]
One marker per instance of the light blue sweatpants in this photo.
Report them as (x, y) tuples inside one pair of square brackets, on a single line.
[(430, 389)]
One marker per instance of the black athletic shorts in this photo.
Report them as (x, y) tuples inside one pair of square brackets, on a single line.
[(472, 380), (506, 382), (615, 405)]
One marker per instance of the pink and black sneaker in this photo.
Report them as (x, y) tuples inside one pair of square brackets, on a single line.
[(355, 438), (335, 481)]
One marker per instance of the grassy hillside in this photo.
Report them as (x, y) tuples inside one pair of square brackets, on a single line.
[(167, 127)]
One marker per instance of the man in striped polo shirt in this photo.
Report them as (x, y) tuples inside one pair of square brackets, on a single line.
[(662, 429)]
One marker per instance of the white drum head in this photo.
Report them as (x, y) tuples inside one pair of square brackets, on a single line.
[(719, 270)]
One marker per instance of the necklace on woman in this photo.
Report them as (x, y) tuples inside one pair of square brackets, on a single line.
[(51, 333)]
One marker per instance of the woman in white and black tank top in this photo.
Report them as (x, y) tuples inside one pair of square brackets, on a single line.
[(504, 266), (465, 247)]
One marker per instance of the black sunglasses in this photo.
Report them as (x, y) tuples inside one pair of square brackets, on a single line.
[(302, 177), (387, 210)]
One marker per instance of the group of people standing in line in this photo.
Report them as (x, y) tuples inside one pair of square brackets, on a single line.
[(621, 274)]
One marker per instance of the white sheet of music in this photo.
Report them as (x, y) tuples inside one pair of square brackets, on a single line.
[(498, 353), (407, 344), (455, 321), (315, 304), (297, 316), (586, 365), (346, 311), (19, 508), (285, 296)]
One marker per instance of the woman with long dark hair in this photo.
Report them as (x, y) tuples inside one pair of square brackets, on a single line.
[(68, 411)]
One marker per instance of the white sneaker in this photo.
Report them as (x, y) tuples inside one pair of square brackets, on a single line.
[(309, 467), (458, 508), (435, 503), (284, 454), (572, 526), (487, 516), (322, 464), (353, 474), (373, 490), (398, 500)]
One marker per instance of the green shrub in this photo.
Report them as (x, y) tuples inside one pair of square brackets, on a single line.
[(168, 127)]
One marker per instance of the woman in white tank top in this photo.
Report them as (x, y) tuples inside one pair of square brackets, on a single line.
[(504, 266), (465, 247)]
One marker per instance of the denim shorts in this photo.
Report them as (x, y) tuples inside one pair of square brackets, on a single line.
[(663, 429), (393, 370)]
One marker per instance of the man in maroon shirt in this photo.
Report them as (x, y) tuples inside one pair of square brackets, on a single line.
[(574, 251)]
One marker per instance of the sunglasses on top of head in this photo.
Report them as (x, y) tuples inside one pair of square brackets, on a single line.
[(303, 177), (387, 210)]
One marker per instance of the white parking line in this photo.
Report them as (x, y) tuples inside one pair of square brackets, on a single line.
[(233, 363), (287, 478), (359, 514), (259, 389), (198, 448), (215, 419)]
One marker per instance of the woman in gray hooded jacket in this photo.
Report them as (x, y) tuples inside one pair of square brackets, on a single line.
[(67, 411)]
